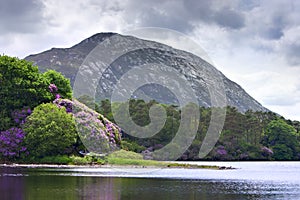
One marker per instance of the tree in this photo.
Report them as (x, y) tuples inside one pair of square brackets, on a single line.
[(282, 138), (282, 152), (21, 85), (63, 84), (50, 131)]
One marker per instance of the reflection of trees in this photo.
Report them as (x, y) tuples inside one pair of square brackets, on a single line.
[(11, 185), (62, 187), (96, 188)]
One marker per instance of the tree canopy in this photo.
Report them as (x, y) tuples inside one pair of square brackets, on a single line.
[(50, 131), (21, 85), (283, 139)]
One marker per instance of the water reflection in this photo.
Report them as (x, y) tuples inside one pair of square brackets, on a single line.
[(52, 184)]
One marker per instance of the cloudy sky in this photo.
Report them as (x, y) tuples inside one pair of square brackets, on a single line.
[(255, 43)]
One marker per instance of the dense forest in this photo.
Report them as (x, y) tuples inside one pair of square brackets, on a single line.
[(245, 136), (39, 118)]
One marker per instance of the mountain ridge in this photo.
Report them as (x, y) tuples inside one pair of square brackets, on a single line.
[(68, 60)]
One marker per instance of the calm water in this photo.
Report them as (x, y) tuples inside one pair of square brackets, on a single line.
[(255, 180)]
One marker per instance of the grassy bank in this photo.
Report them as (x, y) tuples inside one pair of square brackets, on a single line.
[(118, 158)]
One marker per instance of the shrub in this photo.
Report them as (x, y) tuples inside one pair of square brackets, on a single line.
[(50, 131), (11, 143), (132, 146)]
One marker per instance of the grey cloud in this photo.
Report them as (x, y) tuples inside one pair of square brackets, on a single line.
[(248, 5), (292, 54), (210, 12), (154, 18), (19, 16), (198, 10), (230, 18), (183, 15), (272, 33), (166, 14), (275, 30)]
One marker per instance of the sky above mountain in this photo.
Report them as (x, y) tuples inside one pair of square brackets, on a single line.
[(255, 43)]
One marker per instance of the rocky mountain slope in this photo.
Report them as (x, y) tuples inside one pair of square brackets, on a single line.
[(201, 75)]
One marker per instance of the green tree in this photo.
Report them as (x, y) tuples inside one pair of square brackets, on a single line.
[(282, 152), (282, 138), (62, 83), (89, 102), (50, 131), (105, 109), (21, 85)]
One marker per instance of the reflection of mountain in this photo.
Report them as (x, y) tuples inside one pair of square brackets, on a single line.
[(199, 74)]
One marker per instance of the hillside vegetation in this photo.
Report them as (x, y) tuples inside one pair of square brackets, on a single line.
[(39, 122)]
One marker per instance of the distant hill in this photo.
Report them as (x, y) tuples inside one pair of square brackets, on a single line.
[(197, 71)]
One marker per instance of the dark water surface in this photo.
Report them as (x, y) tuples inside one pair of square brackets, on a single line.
[(255, 180)]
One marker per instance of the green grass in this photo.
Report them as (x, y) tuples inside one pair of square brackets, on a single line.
[(126, 155), (182, 165), (137, 162), (62, 160), (121, 157)]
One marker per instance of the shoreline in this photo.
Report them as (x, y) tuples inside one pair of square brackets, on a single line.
[(168, 165)]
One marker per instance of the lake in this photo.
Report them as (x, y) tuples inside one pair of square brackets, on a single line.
[(251, 180)]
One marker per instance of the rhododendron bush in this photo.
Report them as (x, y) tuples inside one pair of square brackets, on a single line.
[(97, 133)]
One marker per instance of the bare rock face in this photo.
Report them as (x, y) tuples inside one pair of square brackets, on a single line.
[(199, 73)]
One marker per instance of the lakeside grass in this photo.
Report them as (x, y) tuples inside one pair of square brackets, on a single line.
[(123, 157), (118, 158)]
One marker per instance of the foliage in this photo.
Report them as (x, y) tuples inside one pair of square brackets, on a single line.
[(283, 139), (21, 85), (97, 133), (50, 131), (64, 103), (62, 84), (136, 162), (105, 109), (245, 136), (75, 160), (282, 152), (59, 159), (132, 146), (89, 102), (125, 154), (19, 116), (123, 157), (11, 143)]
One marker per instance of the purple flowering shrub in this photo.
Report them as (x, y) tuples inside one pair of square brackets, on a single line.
[(64, 103), (11, 140), (113, 132), (19, 116), (11, 143), (221, 151), (97, 133)]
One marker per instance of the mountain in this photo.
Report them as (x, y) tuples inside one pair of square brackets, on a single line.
[(201, 75)]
